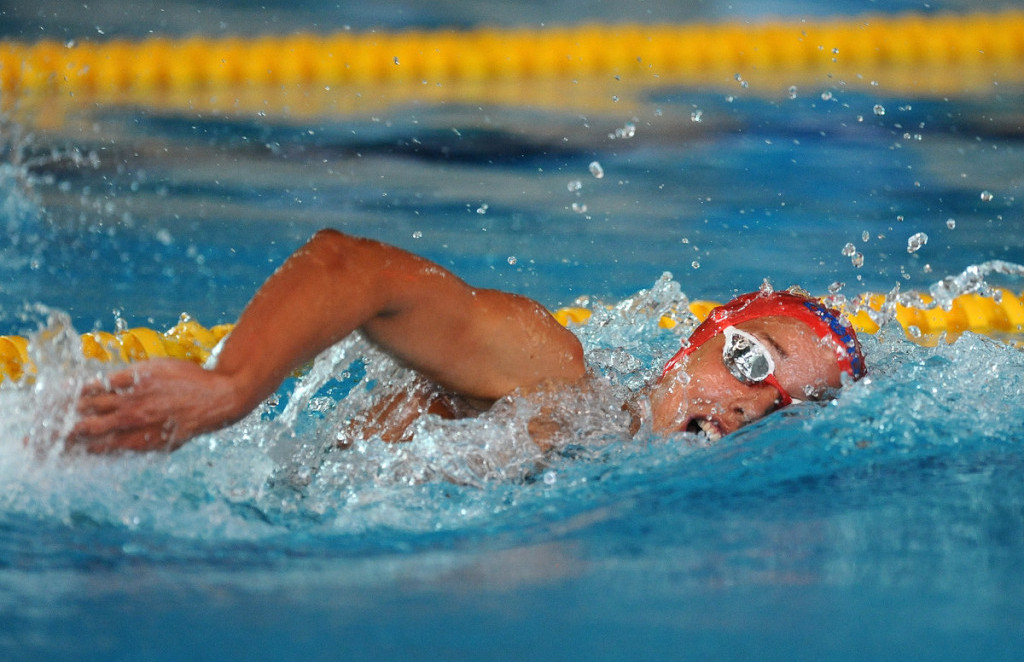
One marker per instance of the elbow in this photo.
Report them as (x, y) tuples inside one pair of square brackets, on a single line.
[(335, 254), (330, 245)]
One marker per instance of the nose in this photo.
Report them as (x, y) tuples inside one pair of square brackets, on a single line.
[(745, 404)]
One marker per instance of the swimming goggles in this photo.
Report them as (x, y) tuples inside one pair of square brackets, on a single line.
[(749, 361)]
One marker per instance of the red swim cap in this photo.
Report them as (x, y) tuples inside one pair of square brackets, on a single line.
[(823, 321)]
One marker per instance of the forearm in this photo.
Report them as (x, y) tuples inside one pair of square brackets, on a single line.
[(323, 292)]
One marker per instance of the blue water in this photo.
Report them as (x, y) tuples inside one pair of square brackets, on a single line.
[(887, 525)]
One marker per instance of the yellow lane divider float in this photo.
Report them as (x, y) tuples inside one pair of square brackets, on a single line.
[(1002, 315), (975, 49)]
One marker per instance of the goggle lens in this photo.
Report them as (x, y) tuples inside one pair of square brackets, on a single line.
[(746, 358)]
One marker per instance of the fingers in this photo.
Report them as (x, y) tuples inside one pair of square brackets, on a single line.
[(110, 418), (92, 405), (114, 431), (114, 382), (141, 439)]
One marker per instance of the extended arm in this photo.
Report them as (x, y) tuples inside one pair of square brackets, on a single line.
[(482, 344)]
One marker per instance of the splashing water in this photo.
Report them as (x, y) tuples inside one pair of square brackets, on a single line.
[(281, 468)]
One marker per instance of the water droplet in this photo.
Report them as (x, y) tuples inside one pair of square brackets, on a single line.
[(574, 185), (396, 59), (879, 109), (695, 264), (836, 287), (865, 236), (951, 223), (624, 132), (512, 259), (986, 196), (697, 115), (164, 237), (417, 235), (826, 96), (579, 207), (596, 170), (849, 249), (792, 91), (916, 241), (482, 209)]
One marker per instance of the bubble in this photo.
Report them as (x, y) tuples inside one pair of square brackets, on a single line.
[(792, 91), (574, 185), (865, 236), (396, 59), (695, 264), (857, 260), (951, 223), (512, 259), (579, 207), (697, 116), (417, 235), (916, 241), (596, 170), (879, 109), (826, 96), (482, 209), (986, 196), (550, 477), (849, 249)]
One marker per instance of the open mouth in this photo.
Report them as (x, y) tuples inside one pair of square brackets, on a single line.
[(699, 425)]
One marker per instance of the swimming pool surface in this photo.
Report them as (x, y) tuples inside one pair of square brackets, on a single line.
[(887, 525)]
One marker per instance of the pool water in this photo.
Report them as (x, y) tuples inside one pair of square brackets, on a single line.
[(888, 524)]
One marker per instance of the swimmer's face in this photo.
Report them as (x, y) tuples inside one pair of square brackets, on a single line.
[(700, 394)]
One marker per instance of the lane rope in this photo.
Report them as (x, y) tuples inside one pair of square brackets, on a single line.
[(990, 40)]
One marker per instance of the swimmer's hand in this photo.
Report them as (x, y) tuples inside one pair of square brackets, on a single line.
[(155, 405)]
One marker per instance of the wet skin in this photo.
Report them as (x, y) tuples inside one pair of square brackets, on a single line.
[(700, 393)]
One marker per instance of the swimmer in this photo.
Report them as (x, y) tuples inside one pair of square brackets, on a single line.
[(752, 356)]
